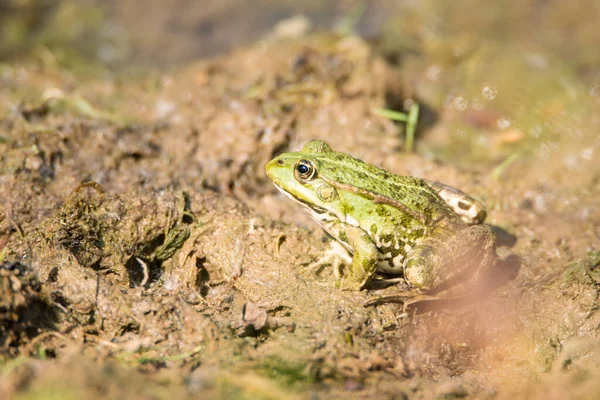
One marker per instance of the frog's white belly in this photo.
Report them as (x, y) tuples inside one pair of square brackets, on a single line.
[(387, 268)]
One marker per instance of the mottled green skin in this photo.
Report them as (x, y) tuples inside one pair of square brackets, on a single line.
[(390, 223)]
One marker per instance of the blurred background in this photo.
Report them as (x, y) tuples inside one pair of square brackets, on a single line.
[(516, 68), (118, 33)]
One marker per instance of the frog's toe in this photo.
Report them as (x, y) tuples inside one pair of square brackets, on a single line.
[(316, 266), (336, 256), (404, 298)]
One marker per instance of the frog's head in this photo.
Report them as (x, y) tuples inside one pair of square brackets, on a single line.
[(298, 176)]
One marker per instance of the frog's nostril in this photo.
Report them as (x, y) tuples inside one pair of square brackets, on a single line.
[(280, 162)]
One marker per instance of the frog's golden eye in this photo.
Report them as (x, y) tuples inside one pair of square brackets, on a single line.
[(304, 171)]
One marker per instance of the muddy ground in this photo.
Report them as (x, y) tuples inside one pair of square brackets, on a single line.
[(145, 254)]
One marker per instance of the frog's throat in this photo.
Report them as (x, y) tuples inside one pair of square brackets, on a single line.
[(377, 198)]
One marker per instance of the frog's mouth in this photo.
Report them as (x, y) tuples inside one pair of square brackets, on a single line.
[(309, 206)]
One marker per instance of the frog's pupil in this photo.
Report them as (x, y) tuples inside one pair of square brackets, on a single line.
[(303, 169)]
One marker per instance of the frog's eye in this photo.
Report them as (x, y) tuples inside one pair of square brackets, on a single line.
[(304, 171)]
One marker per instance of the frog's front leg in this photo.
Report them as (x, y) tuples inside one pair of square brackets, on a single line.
[(354, 240), (364, 259), (452, 265)]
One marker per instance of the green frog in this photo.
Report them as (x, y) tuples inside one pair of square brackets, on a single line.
[(426, 232)]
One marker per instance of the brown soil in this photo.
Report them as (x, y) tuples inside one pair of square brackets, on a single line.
[(145, 254)]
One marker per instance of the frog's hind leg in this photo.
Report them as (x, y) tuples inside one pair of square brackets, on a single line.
[(453, 265)]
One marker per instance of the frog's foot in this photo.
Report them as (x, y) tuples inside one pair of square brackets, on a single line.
[(404, 298), (336, 256), (422, 303), (380, 283)]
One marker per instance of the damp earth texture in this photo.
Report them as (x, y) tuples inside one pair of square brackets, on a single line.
[(146, 254)]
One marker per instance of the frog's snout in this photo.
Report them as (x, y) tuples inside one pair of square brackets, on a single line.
[(269, 167), (272, 167), (280, 170)]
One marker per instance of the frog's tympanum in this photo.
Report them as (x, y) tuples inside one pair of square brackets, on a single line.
[(429, 233)]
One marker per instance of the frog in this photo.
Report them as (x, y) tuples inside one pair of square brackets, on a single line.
[(429, 234)]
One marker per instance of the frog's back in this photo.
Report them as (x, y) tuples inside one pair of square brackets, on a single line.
[(412, 193)]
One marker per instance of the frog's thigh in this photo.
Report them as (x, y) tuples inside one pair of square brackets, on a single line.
[(471, 211), (436, 265), (364, 259)]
